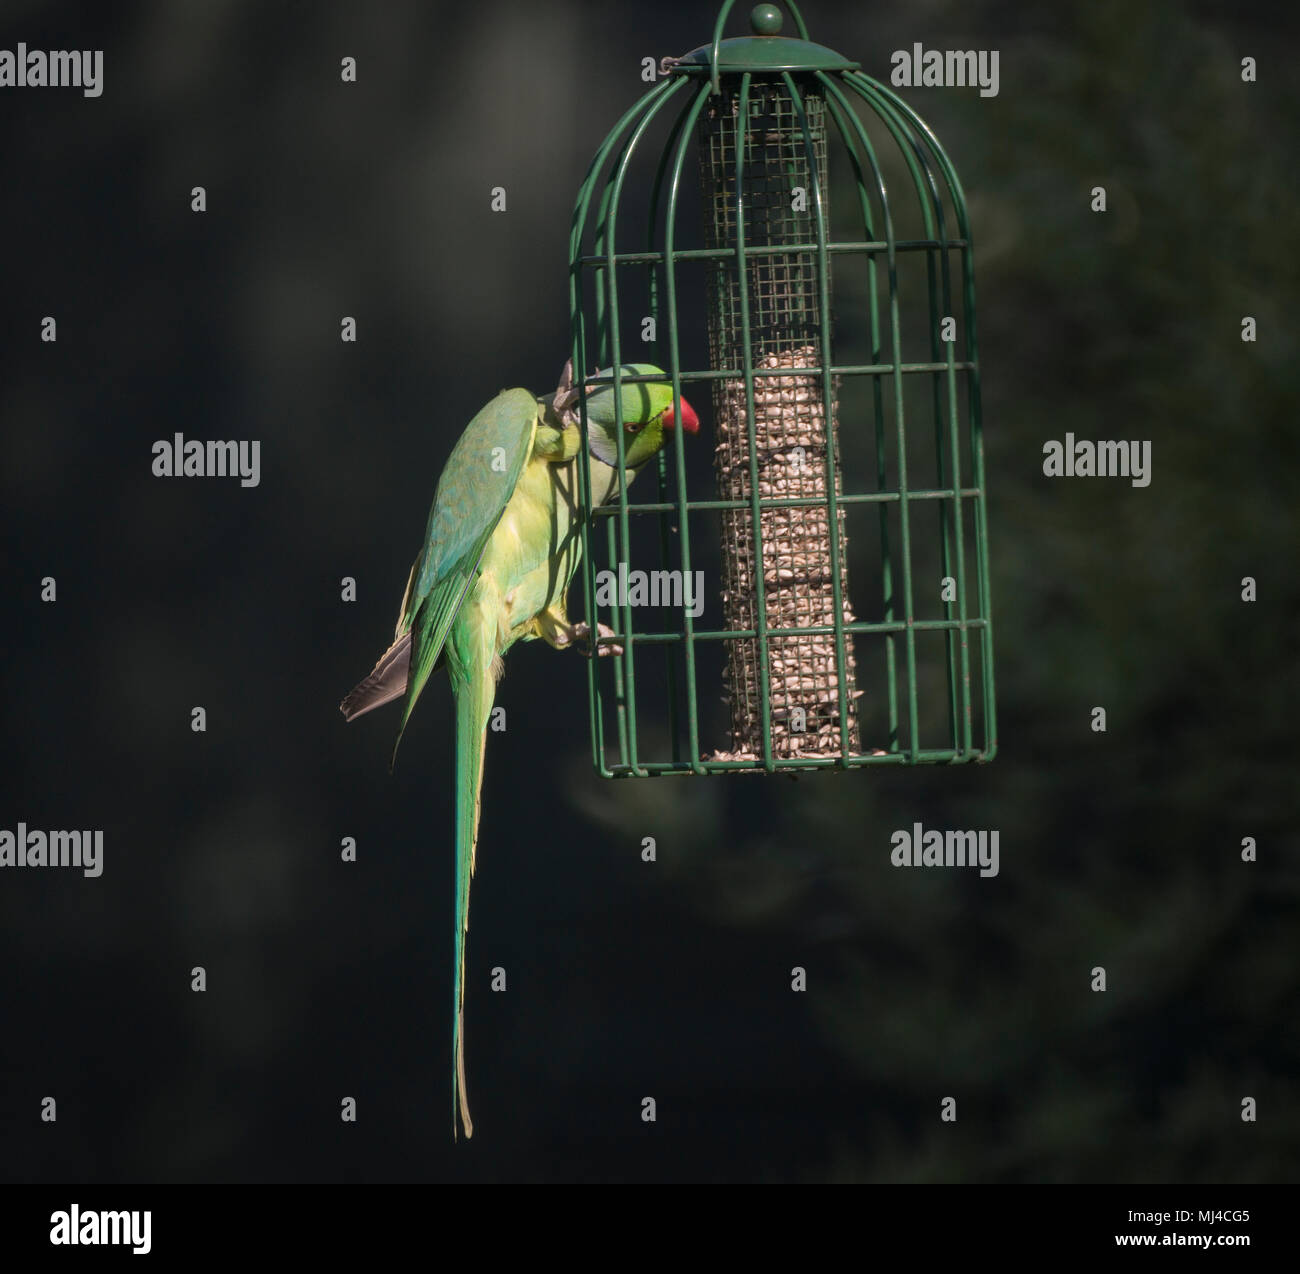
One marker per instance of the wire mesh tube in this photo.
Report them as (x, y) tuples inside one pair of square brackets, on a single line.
[(778, 300)]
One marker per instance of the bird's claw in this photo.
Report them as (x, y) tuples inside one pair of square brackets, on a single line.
[(580, 633)]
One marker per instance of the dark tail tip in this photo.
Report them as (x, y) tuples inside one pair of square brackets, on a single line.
[(386, 682)]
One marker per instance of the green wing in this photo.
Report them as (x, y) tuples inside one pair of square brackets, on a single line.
[(481, 475)]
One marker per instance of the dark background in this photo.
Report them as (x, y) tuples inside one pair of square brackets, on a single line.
[(329, 979)]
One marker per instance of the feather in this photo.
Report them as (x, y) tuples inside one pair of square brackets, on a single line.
[(472, 661), (386, 682)]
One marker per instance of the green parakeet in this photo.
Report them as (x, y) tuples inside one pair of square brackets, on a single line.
[(501, 546)]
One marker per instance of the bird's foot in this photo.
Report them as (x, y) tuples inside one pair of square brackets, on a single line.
[(580, 633)]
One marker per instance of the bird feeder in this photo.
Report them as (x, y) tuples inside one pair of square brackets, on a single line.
[(843, 546)]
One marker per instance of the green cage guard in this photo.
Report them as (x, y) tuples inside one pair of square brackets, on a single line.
[(811, 427)]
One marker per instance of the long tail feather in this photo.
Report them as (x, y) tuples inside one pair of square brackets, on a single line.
[(386, 682), (474, 671)]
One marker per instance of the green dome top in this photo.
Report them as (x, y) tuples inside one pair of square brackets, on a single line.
[(767, 50), (764, 53)]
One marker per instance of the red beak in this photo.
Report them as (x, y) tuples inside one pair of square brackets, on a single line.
[(690, 421)]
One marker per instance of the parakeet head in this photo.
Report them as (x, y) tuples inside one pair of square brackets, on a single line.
[(647, 416)]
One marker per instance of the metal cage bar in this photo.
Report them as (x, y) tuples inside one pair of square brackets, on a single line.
[(886, 101)]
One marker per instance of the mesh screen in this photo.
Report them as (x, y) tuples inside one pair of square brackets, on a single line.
[(789, 427)]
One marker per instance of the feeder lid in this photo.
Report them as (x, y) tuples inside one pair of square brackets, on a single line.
[(765, 50)]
